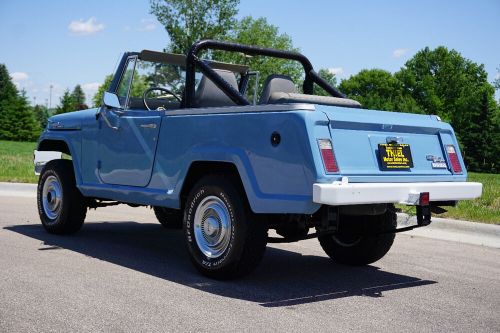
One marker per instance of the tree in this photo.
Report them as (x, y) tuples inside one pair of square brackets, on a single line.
[(496, 82), (189, 21), (327, 75), (17, 121), (259, 32), (97, 99), (41, 115), (78, 97), (66, 103), (139, 85), (379, 89), (481, 141), (8, 96), (443, 82), (26, 127)]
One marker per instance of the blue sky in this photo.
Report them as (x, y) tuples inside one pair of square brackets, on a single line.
[(63, 43)]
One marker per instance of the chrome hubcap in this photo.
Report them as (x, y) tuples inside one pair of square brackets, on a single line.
[(52, 197), (212, 227)]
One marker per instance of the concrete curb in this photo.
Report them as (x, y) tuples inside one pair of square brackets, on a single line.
[(17, 190), (443, 229), (455, 230)]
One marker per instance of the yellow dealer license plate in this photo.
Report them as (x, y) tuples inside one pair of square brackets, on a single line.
[(395, 156)]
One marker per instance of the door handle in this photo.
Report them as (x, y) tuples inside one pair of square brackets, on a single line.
[(148, 125)]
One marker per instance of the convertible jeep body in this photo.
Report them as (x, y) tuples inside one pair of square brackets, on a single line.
[(227, 160)]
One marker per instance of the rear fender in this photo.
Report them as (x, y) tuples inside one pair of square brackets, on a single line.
[(258, 200)]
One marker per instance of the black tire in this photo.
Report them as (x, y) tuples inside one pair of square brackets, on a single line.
[(169, 218), (290, 228), (65, 212), (247, 233), (352, 246)]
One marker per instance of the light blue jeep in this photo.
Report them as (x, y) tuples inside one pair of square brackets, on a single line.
[(180, 134)]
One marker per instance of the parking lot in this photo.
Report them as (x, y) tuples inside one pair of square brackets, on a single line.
[(125, 272)]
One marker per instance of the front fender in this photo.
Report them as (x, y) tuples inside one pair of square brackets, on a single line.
[(68, 142)]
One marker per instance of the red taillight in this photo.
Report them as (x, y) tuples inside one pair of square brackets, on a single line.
[(329, 161), (453, 158), (424, 199)]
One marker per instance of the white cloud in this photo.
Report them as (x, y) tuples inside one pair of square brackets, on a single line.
[(497, 76), (337, 71), (398, 53), (90, 88), (147, 25), (88, 27), (19, 76), (20, 79)]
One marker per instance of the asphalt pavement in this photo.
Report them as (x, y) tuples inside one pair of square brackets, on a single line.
[(124, 272)]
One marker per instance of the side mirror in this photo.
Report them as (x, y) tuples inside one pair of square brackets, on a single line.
[(111, 100)]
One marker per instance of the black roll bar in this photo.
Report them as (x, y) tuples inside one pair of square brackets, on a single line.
[(192, 62)]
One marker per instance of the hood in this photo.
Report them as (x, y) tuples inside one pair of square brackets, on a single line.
[(70, 120)]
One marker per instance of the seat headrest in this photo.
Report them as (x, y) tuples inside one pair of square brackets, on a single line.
[(209, 95), (276, 83)]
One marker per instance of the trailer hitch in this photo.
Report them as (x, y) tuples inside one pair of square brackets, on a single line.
[(330, 224)]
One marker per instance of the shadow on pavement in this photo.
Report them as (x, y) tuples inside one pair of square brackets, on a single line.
[(284, 278)]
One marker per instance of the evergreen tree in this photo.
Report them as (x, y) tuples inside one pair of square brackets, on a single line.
[(481, 146), (26, 126), (17, 121), (8, 96), (496, 83), (41, 115), (66, 103), (78, 97)]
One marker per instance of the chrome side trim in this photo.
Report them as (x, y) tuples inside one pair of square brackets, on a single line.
[(242, 109)]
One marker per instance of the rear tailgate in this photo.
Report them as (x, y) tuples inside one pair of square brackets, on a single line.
[(379, 146)]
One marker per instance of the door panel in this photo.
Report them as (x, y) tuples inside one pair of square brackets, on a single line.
[(126, 155)]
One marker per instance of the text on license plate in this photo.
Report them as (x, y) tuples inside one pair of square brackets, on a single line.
[(395, 156)]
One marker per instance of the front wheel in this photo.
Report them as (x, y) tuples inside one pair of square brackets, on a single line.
[(224, 238), (61, 206), (360, 239)]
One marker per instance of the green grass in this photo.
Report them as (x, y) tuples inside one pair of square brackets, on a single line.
[(16, 162), (16, 165), (484, 209)]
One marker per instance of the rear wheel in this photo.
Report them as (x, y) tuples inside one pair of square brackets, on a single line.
[(224, 238), (169, 218), (358, 241), (61, 206)]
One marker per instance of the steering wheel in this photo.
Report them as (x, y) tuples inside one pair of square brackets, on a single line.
[(147, 91)]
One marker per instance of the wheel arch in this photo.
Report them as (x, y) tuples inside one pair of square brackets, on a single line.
[(54, 145), (61, 145), (199, 169)]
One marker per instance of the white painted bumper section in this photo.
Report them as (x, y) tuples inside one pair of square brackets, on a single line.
[(344, 193), (40, 158)]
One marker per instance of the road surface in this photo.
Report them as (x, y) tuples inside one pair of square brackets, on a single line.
[(124, 272)]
